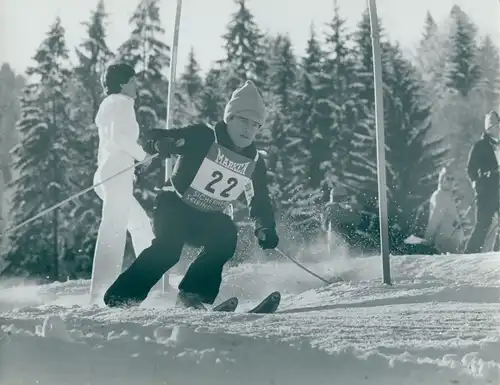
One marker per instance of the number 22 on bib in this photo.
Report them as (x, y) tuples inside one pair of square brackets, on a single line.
[(221, 179)]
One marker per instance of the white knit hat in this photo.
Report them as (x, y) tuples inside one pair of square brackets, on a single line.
[(246, 102), (491, 119)]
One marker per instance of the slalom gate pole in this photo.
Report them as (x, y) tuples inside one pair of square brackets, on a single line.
[(380, 136), (72, 197), (324, 280), (171, 82), (170, 98)]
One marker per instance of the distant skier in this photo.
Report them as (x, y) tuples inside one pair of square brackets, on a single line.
[(483, 172), (118, 149), (215, 166), (444, 230)]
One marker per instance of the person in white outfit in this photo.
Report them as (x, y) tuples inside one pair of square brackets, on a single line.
[(444, 230), (118, 150)]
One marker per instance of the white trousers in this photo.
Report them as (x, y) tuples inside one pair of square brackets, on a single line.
[(120, 212)]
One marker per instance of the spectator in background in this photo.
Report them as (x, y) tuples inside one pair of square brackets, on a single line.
[(444, 228), (483, 172)]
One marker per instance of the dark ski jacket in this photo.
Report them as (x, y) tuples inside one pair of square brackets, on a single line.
[(196, 141), (483, 169)]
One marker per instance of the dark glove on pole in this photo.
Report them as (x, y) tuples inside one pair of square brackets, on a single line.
[(267, 238), (163, 147)]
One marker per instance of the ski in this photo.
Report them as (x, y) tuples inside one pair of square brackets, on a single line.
[(228, 305), (268, 305)]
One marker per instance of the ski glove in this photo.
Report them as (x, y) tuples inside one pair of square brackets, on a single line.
[(138, 173), (141, 170), (268, 238), (164, 147)]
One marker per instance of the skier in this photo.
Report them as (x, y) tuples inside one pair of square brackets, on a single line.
[(215, 166), (483, 172), (118, 149), (444, 230)]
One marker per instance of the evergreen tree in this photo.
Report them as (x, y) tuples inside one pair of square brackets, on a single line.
[(146, 51), (408, 122), (191, 78), (213, 96), (305, 116), (428, 48), (308, 76), (361, 171), (430, 29), (431, 61), (283, 72), (10, 91), (489, 61), (459, 111), (462, 69), (341, 91), (43, 163), (431, 58), (11, 86), (284, 134), (188, 93), (93, 56), (243, 42)]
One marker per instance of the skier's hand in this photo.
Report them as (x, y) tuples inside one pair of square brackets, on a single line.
[(267, 238), (137, 176), (151, 147), (166, 147), (145, 164), (140, 170)]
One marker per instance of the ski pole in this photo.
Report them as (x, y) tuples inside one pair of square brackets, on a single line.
[(302, 267), (72, 197), (460, 224), (495, 227)]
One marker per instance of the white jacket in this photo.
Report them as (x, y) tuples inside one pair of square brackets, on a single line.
[(118, 134), (443, 228)]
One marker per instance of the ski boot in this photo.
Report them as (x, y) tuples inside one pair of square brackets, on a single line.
[(189, 301)]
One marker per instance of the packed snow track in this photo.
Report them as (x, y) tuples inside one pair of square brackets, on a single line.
[(438, 324)]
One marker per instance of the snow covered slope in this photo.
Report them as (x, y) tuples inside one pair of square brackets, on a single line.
[(439, 324)]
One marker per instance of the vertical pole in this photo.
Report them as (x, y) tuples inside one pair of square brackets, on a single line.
[(171, 84), (170, 98), (329, 234), (55, 245), (379, 106)]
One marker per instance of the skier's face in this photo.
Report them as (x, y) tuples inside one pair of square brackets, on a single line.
[(242, 131), (130, 88), (494, 130)]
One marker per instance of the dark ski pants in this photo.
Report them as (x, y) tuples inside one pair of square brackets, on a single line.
[(176, 224), (485, 212)]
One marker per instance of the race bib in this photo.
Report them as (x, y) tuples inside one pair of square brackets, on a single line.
[(220, 180), (249, 191)]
